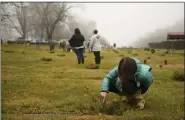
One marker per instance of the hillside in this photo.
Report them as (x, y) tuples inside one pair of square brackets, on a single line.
[(159, 34)]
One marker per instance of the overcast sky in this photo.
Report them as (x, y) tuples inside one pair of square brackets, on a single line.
[(123, 23)]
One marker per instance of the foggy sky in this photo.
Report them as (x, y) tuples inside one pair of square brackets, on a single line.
[(124, 23)]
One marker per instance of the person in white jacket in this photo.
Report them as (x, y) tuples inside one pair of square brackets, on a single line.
[(95, 46)]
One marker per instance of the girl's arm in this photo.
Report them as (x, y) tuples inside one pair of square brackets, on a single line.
[(112, 75), (146, 82)]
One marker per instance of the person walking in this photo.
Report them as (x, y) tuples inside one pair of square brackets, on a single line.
[(95, 46), (77, 43), (1, 41)]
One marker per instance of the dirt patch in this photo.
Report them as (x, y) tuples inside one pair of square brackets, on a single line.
[(61, 55), (9, 51), (46, 59)]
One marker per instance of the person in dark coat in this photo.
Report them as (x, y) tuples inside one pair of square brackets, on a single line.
[(63, 44), (77, 43), (114, 45)]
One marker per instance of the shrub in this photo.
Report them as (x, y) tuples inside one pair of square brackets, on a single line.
[(135, 54), (167, 52), (178, 76), (61, 55), (152, 51), (146, 49), (52, 52), (46, 59), (9, 51), (160, 66), (163, 54), (165, 62), (145, 61), (121, 55), (10, 42)]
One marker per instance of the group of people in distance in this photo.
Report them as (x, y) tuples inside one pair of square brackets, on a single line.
[(129, 78), (65, 46)]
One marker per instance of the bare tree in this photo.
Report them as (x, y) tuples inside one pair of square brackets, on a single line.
[(37, 21), (6, 30), (17, 15), (51, 14), (45, 20)]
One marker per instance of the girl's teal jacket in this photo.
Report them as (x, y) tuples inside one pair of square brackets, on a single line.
[(143, 77)]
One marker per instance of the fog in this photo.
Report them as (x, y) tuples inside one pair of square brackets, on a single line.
[(120, 23), (124, 23)]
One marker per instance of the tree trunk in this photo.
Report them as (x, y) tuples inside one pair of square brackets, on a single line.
[(51, 45), (49, 37), (42, 32), (42, 35)]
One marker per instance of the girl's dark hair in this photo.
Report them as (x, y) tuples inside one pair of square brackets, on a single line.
[(127, 67), (77, 31)]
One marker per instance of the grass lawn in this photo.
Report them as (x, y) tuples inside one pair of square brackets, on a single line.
[(62, 89)]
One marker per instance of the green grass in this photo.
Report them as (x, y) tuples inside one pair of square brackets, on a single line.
[(62, 89)]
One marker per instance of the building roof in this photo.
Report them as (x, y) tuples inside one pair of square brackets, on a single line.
[(175, 35)]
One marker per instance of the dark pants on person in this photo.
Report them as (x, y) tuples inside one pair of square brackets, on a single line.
[(97, 57), (80, 56), (64, 49), (37, 45), (112, 87), (84, 50), (128, 87)]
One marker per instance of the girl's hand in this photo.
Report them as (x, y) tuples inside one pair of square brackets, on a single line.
[(104, 95)]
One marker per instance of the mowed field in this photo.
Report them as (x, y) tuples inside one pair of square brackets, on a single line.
[(32, 89)]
